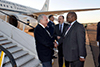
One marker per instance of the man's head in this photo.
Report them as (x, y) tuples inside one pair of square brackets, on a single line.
[(71, 16), (51, 18), (43, 20), (61, 19)]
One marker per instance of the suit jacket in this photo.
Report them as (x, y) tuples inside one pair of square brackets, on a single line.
[(42, 38), (74, 43), (98, 31), (57, 31), (50, 27)]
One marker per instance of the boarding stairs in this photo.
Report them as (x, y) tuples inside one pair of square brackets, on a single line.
[(20, 44)]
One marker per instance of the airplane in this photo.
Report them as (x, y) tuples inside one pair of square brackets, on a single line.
[(28, 14)]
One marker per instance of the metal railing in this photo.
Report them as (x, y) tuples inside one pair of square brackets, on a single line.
[(12, 60)]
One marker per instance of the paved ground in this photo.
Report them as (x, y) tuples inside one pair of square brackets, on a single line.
[(91, 30)]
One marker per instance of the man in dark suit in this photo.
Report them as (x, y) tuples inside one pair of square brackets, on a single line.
[(98, 39), (58, 32), (74, 49), (43, 42), (51, 25)]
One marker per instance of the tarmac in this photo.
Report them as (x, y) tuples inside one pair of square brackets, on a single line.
[(92, 33)]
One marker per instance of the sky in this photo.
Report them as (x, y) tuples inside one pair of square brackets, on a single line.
[(83, 17)]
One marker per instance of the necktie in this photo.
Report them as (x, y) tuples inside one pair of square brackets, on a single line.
[(67, 30), (61, 28)]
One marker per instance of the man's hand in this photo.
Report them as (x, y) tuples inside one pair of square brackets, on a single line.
[(58, 37), (55, 44), (82, 59), (97, 43)]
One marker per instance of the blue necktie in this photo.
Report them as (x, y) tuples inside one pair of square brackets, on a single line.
[(61, 28)]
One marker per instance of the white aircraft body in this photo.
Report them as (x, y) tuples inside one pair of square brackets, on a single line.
[(25, 13)]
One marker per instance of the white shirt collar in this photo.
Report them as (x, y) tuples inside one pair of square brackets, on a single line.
[(41, 25), (73, 22)]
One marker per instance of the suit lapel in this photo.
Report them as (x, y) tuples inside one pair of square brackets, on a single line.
[(73, 26), (58, 29), (65, 28), (44, 31)]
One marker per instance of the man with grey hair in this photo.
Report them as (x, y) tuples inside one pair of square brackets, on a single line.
[(43, 41)]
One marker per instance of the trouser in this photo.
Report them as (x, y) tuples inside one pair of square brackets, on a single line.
[(77, 63), (60, 57), (47, 64), (99, 55), (99, 59)]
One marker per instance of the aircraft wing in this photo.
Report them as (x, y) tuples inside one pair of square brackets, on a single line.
[(62, 11)]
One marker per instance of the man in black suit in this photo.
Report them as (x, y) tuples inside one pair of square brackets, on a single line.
[(51, 25), (74, 49), (98, 39), (58, 32), (43, 42)]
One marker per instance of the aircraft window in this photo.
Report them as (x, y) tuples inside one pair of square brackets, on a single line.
[(11, 6), (7, 5), (0, 4)]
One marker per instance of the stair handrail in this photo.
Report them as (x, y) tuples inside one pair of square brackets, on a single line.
[(12, 60)]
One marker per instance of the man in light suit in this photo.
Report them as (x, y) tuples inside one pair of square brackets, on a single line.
[(98, 39), (59, 30), (43, 42), (74, 49)]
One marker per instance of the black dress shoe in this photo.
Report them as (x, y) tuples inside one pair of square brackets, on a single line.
[(54, 57)]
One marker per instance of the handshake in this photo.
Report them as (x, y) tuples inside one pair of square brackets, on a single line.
[(56, 43)]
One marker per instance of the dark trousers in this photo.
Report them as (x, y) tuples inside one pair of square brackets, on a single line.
[(47, 64), (60, 57), (99, 55), (76, 63), (99, 59)]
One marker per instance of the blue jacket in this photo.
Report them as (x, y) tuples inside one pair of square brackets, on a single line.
[(50, 27)]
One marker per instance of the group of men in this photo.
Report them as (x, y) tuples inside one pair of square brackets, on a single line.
[(69, 39)]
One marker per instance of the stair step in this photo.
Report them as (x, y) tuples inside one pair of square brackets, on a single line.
[(7, 46), (15, 55), (5, 42), (32, 63), (14, 49), (2, 38), (21, 61), (40, 66)]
